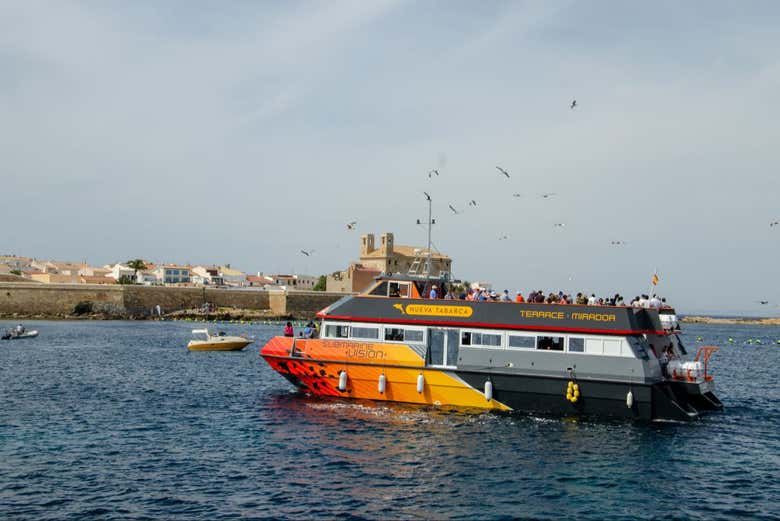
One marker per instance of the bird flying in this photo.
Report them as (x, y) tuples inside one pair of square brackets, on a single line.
[(774, 223), (559, 225), (573, 104), (472, 203), (351, 225), (453, 209), (547, 195), (517, 195), (503, 171), (618, 243), (763, 301), (432, 172), (307, 253), (503, 237), (427, 196)]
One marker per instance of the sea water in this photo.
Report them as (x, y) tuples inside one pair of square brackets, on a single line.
[(117, 420)]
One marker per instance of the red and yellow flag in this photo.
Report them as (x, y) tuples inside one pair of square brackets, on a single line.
[(655, 279)]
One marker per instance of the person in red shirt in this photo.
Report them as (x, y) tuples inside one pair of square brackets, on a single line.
[(519, 297)]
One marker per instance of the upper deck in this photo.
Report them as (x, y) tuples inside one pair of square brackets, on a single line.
[(376, 306)]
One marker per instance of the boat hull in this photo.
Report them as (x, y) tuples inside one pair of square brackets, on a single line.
[(315, 366), (27, 334), (236, 345)]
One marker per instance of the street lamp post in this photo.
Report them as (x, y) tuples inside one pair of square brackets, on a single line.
[(429, 223)]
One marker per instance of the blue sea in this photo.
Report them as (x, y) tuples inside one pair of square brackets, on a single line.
[(117, 420)]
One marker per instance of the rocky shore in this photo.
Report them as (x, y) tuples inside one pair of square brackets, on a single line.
[(194, 315)]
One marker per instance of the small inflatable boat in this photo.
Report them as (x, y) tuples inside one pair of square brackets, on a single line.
[(14, 335)]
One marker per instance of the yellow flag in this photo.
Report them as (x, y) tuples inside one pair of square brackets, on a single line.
[(655, 279)]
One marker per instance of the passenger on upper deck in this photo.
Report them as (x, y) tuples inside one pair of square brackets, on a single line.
[(433, 294), (519, 297), (592, 299), (505, 296), (654, 302)]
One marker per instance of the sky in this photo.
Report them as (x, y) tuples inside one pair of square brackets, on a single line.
[(243, 132)]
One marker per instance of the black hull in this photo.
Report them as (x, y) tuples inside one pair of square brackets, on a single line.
[(547, 395)]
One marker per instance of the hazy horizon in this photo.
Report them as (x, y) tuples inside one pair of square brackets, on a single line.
[(242, 133)]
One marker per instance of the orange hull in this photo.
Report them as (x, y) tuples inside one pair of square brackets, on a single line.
[(315, 365)]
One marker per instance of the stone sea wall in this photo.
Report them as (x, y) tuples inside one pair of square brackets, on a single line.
[(68, 300)]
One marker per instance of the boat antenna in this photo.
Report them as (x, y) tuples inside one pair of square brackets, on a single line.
[(429, 223)]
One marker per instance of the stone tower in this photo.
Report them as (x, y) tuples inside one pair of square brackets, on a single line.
[(367, 244), (386, 244)]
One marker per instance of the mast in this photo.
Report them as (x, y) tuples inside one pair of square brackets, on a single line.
[(430, 222)]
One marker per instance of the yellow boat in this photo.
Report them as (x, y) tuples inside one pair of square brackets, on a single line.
[(220, 342)]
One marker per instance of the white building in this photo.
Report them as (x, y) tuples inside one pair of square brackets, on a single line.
[(231, 277), (206, 276), (300, 282), (173, 274), (146, 277), (120, 270)]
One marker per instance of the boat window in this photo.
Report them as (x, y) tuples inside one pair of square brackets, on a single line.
[(399, 289), (394, 334), (491, 340), (365, 332), (336, 331), (550, 343), (637, 345), (397, 334), (471, 338), (380, 289), (594, 346), (576, 344), (522, 341), (612, 347), (411, 335)]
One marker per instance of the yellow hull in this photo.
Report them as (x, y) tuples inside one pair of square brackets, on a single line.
[(197, 345)]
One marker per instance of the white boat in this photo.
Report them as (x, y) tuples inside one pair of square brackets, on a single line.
[(219, 342), (15, 335)]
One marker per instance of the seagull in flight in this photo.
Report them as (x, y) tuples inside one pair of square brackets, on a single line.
[(351, 226), (774, 223), (307, 253), (763, 301), (503, 237), (503, 171), (432, 172), (547, 195), (517, 195), (618, 243), (453, 209), (559, 225), (472, 203), (427, 196), (573, 104)]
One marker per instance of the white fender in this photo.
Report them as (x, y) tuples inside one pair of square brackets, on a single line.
[(420, 383), (382, 383), (343, 381), (630, 399), (488, 390)]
